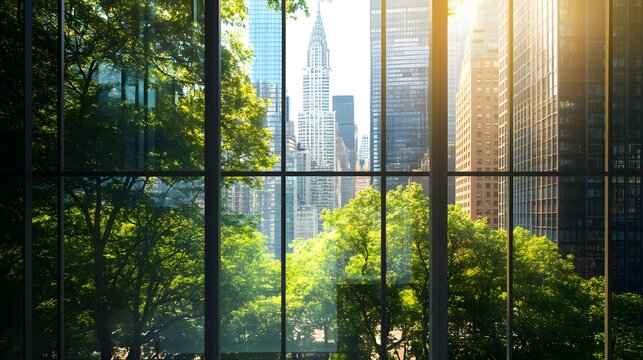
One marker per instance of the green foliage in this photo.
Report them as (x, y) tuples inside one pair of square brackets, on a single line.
[(134, 100), (627, 327), (333, 286), (251, 286), (138, 272)]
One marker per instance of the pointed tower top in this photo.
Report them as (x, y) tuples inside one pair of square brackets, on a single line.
[(317, 46), (318, 19)]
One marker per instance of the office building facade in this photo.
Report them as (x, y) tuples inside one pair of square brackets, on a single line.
[(477, 117), (407, 79), (557, 124)]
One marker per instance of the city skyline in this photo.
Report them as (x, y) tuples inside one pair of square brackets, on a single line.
[(532, 130)]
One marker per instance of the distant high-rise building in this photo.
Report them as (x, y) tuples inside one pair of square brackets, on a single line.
[(316, 126), (626, 129), (344, 107), (558, 118), (407, 76), (477, 117), (364, 151), (459, 26), (345, 184), (264, 34)]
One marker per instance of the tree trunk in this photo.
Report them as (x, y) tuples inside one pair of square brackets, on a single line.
[(104, 336), (135, 349)]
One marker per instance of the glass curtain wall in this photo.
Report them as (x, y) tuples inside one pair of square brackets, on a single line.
[(333, 180)]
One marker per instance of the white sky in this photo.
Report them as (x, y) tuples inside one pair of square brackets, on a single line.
[(347, 27)]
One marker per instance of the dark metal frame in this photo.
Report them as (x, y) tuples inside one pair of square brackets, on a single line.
[(438, 186), (607, 194), (28, 179), (213, 175)]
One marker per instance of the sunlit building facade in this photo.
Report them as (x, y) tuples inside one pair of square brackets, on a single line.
[(557, 125), (477, 117)]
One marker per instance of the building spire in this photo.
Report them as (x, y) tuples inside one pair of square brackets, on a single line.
[(319, 26), (317, 46)]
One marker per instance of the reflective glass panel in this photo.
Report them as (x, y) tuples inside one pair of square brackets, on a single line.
[(134, 96), (333, 271), (134, 271)]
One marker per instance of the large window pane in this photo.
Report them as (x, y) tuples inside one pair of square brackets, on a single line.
[(328, 87), (477, 271), (12, 85), (407, 84), (250, 270), (558, 100), (558, 267), (134, 269), (45, 92), (134, 85), (408, 266), (12, 267), (459, 27), (333, 275), (251, 86), (626, 272), (45, 269)]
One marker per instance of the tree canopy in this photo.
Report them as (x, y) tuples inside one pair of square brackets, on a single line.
[(333, 286)]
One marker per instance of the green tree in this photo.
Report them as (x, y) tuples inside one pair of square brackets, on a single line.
[(251, 289), (557, 313), (140, 271)]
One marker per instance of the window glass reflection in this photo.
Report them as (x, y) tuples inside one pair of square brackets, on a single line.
[(134, 85), (133, 267)]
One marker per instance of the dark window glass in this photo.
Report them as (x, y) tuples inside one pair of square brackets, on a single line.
[(45, 265), (134, 271), (134, 85), (12, 267), (12, 85)]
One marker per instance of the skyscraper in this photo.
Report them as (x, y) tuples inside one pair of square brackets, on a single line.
[(477, 117), (558, 123), (626, 129), (344, 107), (364, 152), (316, 127), (264, 34), (407, 69), (459, 26)]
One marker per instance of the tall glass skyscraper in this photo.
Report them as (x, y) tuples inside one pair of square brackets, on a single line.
[(626, 129), (558, 124), (264, 34), (407, 78)]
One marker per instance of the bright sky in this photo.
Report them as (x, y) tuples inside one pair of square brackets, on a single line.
[(347, 26)]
